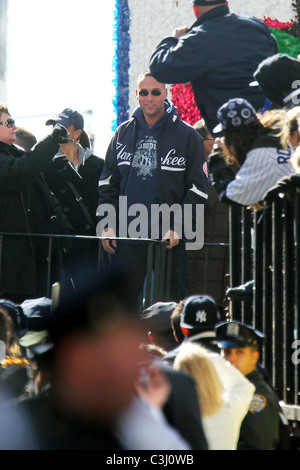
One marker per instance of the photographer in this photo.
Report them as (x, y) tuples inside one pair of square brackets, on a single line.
[(27, 206)]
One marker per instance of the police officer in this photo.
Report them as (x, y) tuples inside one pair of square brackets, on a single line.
[(240, 345)]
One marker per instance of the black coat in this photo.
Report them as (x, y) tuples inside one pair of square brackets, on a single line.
[(77, 192), (53, 429), (182, 409), (27, 206), (260, 427), (218, 55), (59, 173)]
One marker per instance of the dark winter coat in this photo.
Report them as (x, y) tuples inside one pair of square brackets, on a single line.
[(60, 173), (218, 55), (260, 427), (27, 206), (76, 189)]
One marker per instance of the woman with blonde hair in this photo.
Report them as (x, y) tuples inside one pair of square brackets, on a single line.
[(289, 133), (224, 394), (289, 128)]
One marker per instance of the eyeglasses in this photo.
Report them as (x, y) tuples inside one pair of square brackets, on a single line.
[(8, 123), (155, 92), (209, 138)]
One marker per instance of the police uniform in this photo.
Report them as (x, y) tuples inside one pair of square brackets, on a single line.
[(260, 427)]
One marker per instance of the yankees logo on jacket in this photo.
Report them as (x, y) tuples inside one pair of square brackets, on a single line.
[(173, 167)]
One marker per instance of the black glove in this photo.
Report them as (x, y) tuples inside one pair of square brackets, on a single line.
[(60, 134), (287, 184), (220, 173)]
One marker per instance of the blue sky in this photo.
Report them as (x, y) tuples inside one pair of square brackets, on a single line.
[(60, 55)]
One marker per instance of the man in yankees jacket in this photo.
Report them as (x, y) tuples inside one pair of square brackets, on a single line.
[(155, 164)]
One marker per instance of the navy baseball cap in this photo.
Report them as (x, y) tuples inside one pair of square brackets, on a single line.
[(235, 334), (68, 117), (234, 115), (199, 312)]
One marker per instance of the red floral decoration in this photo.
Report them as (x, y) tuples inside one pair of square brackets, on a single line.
[(184, 100), (277, 24)]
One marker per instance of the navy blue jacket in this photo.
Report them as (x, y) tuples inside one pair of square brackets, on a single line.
[(182, 174), (218, 55)]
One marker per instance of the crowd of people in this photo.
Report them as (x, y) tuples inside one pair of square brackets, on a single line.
[(93, 369)]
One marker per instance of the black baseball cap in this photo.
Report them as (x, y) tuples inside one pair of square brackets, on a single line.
[(235, 334), (200, 312), (278, 76)]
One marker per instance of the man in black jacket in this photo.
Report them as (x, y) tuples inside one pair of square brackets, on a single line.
[(27, 206), (155, 162), (218, 55)]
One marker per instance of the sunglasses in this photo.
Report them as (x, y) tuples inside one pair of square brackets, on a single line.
[(8, 123), (155, 92)]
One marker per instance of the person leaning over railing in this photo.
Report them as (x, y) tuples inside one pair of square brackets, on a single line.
[(250, 143), (27, 206)]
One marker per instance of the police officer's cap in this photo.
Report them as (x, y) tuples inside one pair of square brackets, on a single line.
[(235, 334)]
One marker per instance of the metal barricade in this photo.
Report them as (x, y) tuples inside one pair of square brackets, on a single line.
[(265, 247), (159, 259)]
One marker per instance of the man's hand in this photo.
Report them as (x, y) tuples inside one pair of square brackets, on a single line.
[(173, 237), (109, 245), (178, 32)]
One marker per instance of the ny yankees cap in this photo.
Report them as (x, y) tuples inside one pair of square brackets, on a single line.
[(68, 118), (199, 312), (235, 334), (234, 115)]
